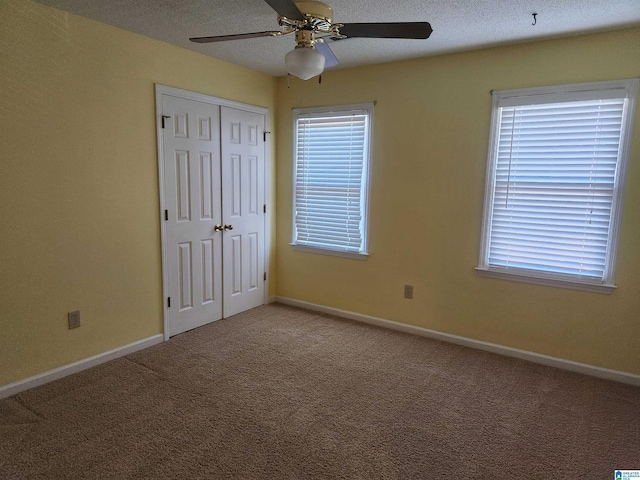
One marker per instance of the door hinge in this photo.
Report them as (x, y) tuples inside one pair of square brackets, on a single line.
[(265, 276), (163, 119), (264, 135), (264, 208), (166, 215), (168, 302)]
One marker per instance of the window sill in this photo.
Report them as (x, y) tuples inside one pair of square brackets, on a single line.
[(546, 281), (324, 251)]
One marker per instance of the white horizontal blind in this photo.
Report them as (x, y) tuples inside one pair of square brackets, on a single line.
[(554, 186), (330, 180)]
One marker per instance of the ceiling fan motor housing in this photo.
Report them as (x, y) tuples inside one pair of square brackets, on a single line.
[(317, 13), (318, 16)]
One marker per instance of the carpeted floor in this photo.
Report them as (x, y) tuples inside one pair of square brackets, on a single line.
[(279, 392)]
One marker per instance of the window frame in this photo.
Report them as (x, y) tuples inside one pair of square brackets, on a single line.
[(558, 93), (298, 113)]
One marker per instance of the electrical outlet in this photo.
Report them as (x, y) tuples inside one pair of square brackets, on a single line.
[(408, 291), (74, 319)]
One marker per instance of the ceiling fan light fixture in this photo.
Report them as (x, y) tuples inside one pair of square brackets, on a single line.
[(304, 62), (311, 18)]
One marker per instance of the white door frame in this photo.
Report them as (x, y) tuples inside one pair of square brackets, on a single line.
[(200, 97)]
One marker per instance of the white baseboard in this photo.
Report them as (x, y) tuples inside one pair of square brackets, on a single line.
[(56, 373), (615, 375), (272, 299)]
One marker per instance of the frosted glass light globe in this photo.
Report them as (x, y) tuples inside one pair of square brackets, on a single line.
[(304, 62)]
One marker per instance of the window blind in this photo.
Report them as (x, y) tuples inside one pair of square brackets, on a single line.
[(330, 180), (554, 187)]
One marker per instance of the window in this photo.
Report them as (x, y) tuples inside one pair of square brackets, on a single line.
[(331, 170), (555, 174)]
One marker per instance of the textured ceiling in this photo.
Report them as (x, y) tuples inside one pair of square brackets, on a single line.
[(458, 25)]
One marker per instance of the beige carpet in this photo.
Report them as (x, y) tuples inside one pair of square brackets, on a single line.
[(279, 392)]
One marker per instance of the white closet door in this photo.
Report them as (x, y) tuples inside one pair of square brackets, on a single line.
[(242, 209), (191, 143)]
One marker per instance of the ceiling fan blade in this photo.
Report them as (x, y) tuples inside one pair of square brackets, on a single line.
[(330, 59), (224, 38), (286, 8), (417, 30)]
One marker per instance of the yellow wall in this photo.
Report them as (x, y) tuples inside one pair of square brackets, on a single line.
[(430, 141), (79, 202)]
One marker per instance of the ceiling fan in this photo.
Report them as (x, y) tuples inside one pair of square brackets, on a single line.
[(312, 22)]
